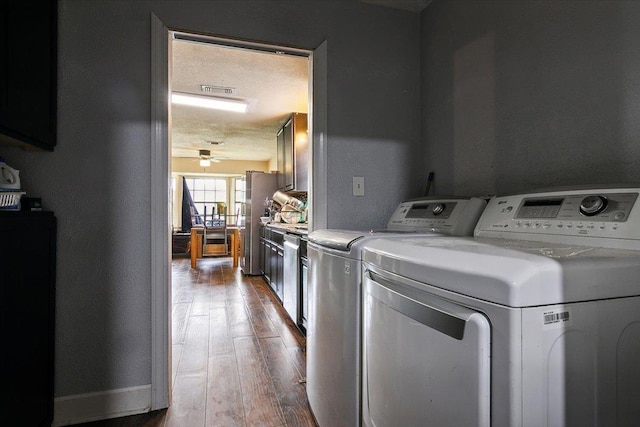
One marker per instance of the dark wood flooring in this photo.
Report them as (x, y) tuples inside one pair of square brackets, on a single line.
[(237, 359)]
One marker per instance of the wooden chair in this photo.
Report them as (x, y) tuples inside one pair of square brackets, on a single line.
[(215, 237), (215, 241)]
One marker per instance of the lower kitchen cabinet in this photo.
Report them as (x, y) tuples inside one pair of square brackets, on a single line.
[(263, 252), (272, 258), (27, 296), (287, 277)]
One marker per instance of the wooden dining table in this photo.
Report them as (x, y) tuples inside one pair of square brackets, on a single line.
[(196, 244)]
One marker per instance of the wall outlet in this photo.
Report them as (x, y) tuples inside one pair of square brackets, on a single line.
[(358, 185)]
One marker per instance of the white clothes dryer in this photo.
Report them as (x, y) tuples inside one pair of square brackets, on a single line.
[(534, 322), (335, 274)]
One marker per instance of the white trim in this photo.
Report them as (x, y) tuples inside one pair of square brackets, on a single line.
[(160, 233), (318, 150), (82, 408), (239, 43)]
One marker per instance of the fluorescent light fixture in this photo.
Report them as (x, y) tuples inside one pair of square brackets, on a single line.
[(227, 104), (205, 163)]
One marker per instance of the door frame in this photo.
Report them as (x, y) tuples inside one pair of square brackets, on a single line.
[(161, 183)]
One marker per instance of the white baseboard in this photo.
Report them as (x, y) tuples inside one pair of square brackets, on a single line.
[(82, 408)]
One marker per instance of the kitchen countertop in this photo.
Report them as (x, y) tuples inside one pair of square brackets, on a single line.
[(300, 228)]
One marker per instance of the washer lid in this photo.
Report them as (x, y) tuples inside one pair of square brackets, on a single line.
[(343, 240), (336, 239), (514, 273)]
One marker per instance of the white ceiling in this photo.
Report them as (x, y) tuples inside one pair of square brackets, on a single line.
[(275, 84)]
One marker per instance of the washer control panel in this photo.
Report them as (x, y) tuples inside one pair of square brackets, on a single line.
[(602, 213), (606, 207), (450, 216)]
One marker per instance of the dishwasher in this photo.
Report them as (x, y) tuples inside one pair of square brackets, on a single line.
[(291, 277), (304, 285)]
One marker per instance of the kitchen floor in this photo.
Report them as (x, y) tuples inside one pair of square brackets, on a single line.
[(237, 359)]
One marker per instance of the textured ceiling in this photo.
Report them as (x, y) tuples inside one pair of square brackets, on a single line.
[(274, 84)]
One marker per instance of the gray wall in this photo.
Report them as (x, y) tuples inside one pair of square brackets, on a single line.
[(515, 95), (98, 179), (528, 94)]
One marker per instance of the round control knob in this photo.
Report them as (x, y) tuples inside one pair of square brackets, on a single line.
[(439, 208), (593, 205)]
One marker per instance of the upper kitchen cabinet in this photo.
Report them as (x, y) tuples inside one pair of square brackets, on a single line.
[(293, 154), (28, 62)]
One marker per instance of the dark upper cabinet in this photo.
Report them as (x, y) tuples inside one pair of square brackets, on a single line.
[(280, 158), (28, 63), (301, 153), (289, 168), (293, 158)]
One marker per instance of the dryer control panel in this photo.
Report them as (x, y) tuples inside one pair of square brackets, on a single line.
[(609, 213), (455, 216)]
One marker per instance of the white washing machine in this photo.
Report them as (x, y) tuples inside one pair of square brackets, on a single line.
[(534, 322), (333, 324)]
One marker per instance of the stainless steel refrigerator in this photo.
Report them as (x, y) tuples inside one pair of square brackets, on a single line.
[(259, 186)]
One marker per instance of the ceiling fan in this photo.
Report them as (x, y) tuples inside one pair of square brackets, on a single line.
[(206, 158)]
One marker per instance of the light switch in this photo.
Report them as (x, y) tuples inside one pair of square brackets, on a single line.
[(358, 185)]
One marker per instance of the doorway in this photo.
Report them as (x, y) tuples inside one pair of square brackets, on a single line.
[(161, 163), (253, 89)]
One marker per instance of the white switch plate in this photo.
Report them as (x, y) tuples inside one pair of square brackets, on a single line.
[(358, 185)]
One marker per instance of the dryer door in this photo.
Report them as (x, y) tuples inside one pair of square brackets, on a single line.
[(426, 361)]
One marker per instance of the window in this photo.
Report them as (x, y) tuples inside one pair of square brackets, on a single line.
[(240, 194), (209, 193)]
